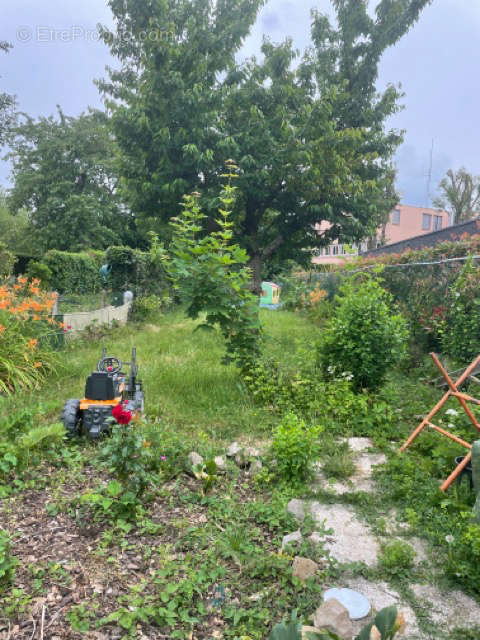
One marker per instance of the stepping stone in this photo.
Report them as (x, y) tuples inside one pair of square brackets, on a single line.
[(449, 609), (357, 605), (296, 536), (340, 487), (365, 463), (358, 445), (296, 508), (351, 540), (361, 480), (381, 595)]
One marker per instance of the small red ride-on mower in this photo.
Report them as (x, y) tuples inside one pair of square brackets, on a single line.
[(106, 388)]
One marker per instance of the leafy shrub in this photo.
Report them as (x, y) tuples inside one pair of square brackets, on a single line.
[(293, 448), (364, 337), (460, 328), (7, 260), (339, 463), (142, 272), (210, 277), (7, 561), (26, 328), (23, 442), (396, 557), (39, 271), (74, 272), (126, 455), (148, 307), (333, 402), (422, 291)]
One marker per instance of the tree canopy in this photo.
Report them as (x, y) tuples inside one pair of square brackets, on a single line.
[(7, 104), (459, 195), (308, 134), (64, 176)]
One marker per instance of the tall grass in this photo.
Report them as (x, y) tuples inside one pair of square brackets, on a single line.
[(185, 382)]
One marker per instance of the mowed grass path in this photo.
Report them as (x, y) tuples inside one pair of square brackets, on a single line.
[(185, 382)]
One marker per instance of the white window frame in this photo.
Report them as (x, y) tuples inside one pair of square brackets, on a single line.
[(425, 217)]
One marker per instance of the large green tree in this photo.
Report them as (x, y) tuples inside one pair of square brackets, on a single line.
[(459, 195), (7, 104), (166, 97), (309, 136), (64, 176)]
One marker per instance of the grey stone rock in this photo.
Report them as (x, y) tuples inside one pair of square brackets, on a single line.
[(296, 508), (194, 458), (245, 457), (233, 449), (333, 616), (304, 568), (296, 536), (221, 463), (316, 537), (256, 466)]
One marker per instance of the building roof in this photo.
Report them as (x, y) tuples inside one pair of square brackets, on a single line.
[(471, 227)]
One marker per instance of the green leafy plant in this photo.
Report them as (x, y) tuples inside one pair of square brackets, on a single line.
[(364, 336), (291, 630), (388, 622), (148, 307), (386, 625), (210, 276), (126, 453), (7, 561), (396, 557), (339, 463), (293, 448), (460, 329), (113, 502)]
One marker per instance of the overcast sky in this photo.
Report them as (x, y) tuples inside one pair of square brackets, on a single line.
[(57, 55)]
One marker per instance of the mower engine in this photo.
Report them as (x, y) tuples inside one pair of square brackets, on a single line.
[(106, 388)]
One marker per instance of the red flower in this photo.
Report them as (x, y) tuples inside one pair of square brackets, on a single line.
[(121, 415)]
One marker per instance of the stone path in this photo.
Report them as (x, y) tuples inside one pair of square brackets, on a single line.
[(361, 480), (349, 539)]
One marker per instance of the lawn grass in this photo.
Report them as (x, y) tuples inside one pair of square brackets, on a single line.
[(185, 381)]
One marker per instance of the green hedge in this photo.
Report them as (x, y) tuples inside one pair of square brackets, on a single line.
[(69, 273), (425, 292), (7, 260), (74, 272), (136, 270)]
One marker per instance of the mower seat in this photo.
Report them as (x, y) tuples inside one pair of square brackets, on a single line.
[(99, 386)]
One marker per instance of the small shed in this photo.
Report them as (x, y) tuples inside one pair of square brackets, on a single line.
[(270, 294)]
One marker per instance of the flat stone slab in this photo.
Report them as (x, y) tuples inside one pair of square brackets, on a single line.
[(449, 609), (381, 595), (366, 461), (358, 445), (297, 508), (340, 487), (351, 540), (361, 480)]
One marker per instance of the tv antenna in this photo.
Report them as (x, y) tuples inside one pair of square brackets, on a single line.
[(429, 176)]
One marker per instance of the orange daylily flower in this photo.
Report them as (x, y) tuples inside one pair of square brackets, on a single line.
[(32, 343), (37, 365), (2, 328)]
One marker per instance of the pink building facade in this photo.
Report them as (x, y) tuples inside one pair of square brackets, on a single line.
[(404, 222)]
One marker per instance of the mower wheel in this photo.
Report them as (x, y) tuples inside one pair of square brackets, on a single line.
[(71, 418)]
